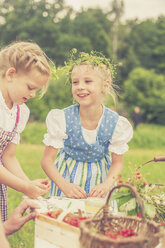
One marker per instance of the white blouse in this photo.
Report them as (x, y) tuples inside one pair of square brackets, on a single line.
[(8, 118), (56, 132)]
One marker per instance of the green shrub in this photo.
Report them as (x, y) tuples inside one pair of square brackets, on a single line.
[(148, 136), (33, 133)]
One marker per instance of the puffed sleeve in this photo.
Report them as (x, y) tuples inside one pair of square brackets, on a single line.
[(123, 133), (23, 119), (56, 128)]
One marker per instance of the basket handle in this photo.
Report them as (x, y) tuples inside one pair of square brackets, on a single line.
[(134, 192), (155, 159)]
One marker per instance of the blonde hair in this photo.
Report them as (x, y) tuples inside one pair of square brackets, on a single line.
[(24, 56), (94, 60)]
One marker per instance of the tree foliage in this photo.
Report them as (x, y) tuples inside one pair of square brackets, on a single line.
[(142, 45), (57, 28), (146, 89), (33, 20)]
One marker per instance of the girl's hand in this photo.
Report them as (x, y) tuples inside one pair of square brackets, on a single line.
[(99, 190), (42, 183), (74, 191), (35, 189)]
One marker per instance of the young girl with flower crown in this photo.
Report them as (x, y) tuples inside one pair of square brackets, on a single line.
[(90, 137), (24, 69)]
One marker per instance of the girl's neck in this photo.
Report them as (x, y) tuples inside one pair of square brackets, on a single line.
[(5, 95), (90, 116)]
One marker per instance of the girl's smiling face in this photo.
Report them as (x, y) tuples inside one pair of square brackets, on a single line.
[(87, 85), (24, 85)]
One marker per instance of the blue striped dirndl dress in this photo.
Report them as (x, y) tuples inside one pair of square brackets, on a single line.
[(79, 162)]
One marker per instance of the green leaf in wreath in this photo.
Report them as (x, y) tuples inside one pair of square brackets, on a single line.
[(149, 210), (128, 206)]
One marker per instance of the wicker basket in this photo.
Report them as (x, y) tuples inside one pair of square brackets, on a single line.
[(148, 231)]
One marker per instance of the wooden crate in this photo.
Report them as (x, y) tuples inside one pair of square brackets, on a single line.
[(51, 233)]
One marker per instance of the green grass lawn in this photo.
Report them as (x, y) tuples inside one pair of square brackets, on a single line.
[(30, 157)]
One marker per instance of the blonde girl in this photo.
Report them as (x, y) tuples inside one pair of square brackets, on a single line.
[(90, 137), (24, 70)]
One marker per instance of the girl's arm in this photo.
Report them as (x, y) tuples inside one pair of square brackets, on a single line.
[(114, 170), (69, 189), (11, 163), (7, 178), (116, 167), (27, 187), (13, 176), (50, 169)]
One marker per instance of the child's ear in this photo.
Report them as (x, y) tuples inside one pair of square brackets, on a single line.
[(106, 86), (10, 73)]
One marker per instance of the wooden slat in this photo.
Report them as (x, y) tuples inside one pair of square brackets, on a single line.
[(56, 233), (60, 224)]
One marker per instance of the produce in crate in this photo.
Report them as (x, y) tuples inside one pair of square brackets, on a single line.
[(67, 217)]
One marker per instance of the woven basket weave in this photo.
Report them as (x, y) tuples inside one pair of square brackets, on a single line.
[(148, 231)]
